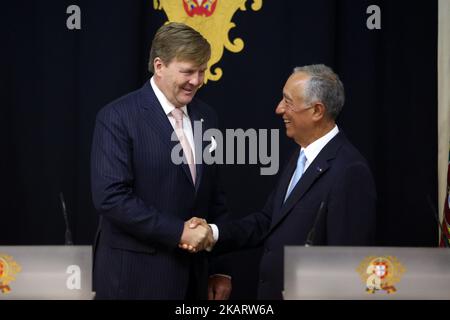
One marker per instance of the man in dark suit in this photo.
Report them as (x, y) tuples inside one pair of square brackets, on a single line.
[(143, 197), (325, 171)]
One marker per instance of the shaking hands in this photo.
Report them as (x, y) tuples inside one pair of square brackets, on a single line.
[(197, 236)]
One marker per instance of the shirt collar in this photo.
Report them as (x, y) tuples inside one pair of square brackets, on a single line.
[(165, 103), (312, 150)]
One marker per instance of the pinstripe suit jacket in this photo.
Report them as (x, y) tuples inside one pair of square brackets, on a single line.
[(143, 200)]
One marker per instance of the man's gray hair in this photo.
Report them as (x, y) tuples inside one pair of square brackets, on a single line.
[(325, 86)]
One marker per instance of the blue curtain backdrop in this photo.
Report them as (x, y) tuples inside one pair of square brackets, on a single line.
[(53, 81)]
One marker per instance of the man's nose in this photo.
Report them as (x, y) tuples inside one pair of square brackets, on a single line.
[(280, 108), (196, 79)]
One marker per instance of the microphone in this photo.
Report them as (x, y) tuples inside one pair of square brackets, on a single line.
[(310, 238), (68, 235), (436, 217)]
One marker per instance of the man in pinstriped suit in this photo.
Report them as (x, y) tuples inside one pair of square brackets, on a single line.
[(144, 200)]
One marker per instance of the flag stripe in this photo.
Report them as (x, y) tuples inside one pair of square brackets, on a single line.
[(444, 111)]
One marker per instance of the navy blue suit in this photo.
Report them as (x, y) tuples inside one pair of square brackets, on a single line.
[(143, 200), (340, 176)]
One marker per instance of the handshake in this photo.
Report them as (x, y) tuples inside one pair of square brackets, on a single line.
[(197, 236)]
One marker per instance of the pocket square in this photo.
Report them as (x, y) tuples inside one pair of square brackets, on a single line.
[(213, 145)]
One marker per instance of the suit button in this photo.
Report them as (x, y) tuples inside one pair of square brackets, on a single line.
[(266, 250), (262, 281)]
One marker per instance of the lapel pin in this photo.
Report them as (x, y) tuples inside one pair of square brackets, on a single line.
[(201, 120), (319, 169)]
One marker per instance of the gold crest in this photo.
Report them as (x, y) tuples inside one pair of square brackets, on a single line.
[(380, 273), (8, 269), (212, 18)]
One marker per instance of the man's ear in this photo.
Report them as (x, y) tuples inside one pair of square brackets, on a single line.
[(158, 64), (319, 111)]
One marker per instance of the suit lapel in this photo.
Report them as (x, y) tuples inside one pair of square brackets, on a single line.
[(284, 180), (197, 117), (158, 121), (155, 116), (317, 168)]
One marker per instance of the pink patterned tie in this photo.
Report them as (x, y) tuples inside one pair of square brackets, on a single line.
[(178, 115)]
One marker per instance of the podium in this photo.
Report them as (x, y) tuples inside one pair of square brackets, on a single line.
[(366, 273), (46, 272)]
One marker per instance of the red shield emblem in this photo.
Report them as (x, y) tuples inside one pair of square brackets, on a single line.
[(199, 7), (381, 269)]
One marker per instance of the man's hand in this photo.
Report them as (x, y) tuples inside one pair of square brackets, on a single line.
[(194, 222), (197, 235), (219, 287)]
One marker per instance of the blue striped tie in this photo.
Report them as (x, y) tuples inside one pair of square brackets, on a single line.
[(297, 173)]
